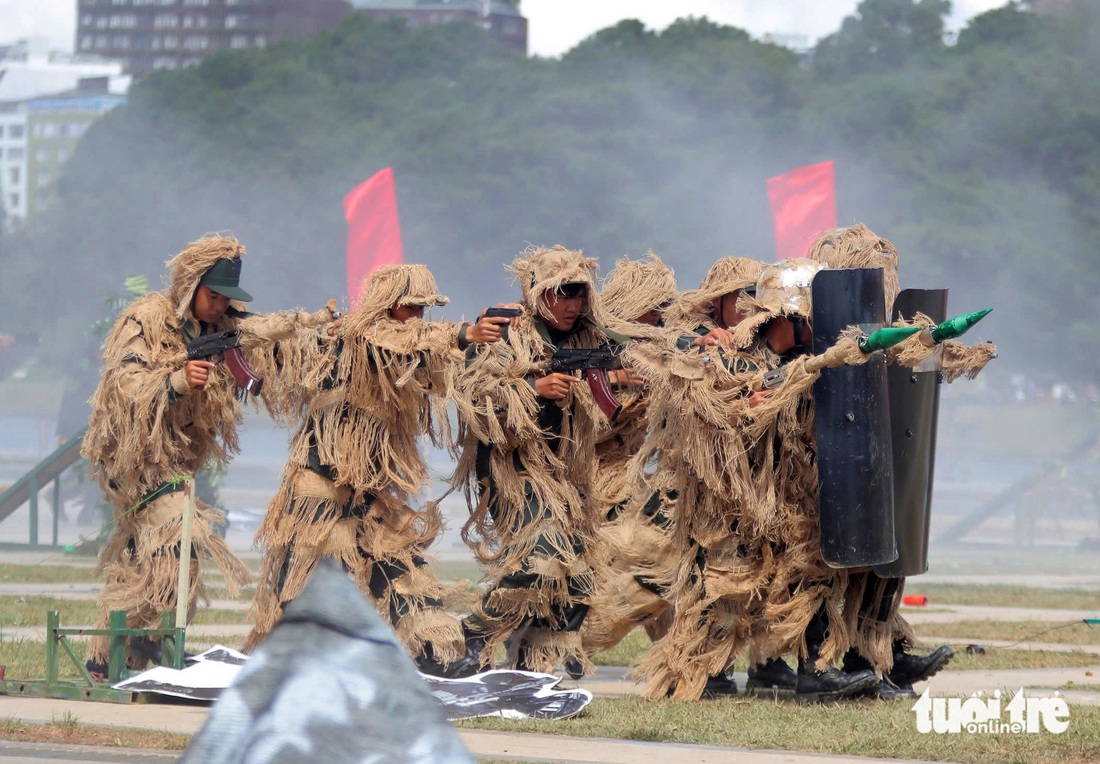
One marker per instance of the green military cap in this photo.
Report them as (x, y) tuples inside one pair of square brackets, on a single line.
[(224, 277)]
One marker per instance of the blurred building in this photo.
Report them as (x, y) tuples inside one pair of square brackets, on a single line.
[(28, 68), (503, 20), (37, 137), (170, 34)]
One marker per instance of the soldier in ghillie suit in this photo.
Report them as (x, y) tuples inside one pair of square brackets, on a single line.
[(750, 576), (632, 514), (711, 310), (881, 638), (528, 464), (158, 418), (354, 467), (645, 557)]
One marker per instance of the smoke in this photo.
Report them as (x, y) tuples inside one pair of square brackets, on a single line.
[(54, 20)]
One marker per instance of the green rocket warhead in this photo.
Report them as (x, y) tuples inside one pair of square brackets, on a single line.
[(886, 337), (957, 326)]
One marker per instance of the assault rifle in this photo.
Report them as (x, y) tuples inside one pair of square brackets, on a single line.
[(228, 345), (593, 363), (508, 313)]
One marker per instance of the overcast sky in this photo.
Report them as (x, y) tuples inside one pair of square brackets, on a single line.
[(555, 25)]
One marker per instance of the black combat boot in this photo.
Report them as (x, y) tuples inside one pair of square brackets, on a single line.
[(144, 650), (459, 669), (819, 687), (883, 688), (772, 674), (909, 668), (427, 664), (573, 668), (831, 684), (719, 686), (475, 645), (100, 672)]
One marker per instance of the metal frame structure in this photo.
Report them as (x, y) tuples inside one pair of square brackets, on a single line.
[(172, 640)]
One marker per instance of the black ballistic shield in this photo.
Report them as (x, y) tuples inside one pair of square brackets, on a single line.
[(914, 411), (852, 425)]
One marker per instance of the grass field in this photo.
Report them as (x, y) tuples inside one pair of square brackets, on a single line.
[(68, 729), (863, 728)]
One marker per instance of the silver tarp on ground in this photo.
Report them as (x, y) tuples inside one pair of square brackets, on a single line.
[(330, 684)]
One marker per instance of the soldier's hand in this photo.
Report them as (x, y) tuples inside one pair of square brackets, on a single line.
[(759, 397), (486, 329), (197, 372), (554, 386), (716, 337), (337, 318), (514, 320), (625, 377)]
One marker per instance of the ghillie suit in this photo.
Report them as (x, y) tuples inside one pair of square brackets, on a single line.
[(693, 311), (880, 636), (528, 469), (631, 590), (354, 468), (149, 433), (751, 576)]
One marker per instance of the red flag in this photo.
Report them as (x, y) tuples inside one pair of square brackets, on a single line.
[(374, 231), (803, 205)]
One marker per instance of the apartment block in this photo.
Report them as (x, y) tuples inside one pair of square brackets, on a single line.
[(171, 34)]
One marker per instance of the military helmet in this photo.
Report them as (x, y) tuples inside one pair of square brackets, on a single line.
[(785, 287)]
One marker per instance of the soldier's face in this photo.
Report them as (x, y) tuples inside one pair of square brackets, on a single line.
[(726, 314), (650, 317), (565, 306), (209, 306), (403, 313), (783, 335)]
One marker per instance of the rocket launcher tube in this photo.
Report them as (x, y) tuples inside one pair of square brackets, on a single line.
[(838, 354)]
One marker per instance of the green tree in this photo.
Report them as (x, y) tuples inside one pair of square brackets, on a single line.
[(883, 35)]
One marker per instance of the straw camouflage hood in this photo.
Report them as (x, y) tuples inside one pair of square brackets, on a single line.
[(784, 289), (540, 270), (860, 247), (189, 266), (727, 275), (390, 285), (635, 287)]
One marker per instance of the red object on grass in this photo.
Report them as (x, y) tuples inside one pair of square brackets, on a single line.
[(803, 203), (916, 600), (374, 230)]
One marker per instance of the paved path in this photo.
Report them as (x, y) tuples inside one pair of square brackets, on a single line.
[(35, 753), (555, 749), (956, 613), (483, 744)]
